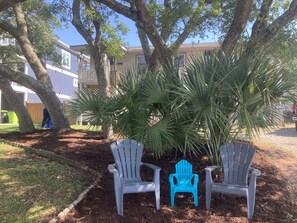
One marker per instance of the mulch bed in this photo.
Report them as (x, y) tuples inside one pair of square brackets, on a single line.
[(274, 201)]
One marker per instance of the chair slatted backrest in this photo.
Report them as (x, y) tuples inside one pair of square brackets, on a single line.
[(236, 160), (127, 154), (184, 172)]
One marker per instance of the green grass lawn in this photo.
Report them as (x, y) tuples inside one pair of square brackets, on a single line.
[(34, 189), (15, 127), (9, 127)]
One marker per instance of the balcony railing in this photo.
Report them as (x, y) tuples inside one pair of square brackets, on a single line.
[(87, 75)]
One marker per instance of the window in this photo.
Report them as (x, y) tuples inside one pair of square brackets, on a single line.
[(75, 82), (140, 63), (66, 59), (207, 53), (179, 61)]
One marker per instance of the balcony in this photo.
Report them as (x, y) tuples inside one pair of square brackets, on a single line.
[(87, 75)]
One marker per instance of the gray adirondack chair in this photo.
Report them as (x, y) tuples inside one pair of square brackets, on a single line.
[(239, 177), (126, 172)]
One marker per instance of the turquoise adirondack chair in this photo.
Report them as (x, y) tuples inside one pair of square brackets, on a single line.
[(183, 180)]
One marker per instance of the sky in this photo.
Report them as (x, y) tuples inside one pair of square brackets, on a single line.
[(70, 35)]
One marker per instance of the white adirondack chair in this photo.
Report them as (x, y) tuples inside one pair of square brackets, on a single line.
[(126, 172), (236, 163)]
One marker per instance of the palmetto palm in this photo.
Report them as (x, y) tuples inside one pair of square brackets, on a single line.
[(216, 98), (227, 94)]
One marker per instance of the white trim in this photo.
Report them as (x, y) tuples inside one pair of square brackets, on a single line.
[(26, 68), (48, 66), (64, 96), (18, 88)]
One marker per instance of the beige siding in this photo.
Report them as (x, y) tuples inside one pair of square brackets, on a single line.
[(129, 60)]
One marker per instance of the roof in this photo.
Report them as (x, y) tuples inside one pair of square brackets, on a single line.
[(183, 46)]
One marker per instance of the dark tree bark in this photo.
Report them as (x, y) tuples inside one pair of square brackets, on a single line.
[(138, 12), (238, 25), (45, 94), (94, 45), (144, 44), (4, 4), (261, 21), (96, 50), (25, 121), (263, 33)]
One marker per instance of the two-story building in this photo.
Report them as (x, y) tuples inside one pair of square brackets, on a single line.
[(64, 77), (134, 58)]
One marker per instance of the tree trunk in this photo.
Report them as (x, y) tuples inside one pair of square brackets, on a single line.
[(145, 45), (96, 51), (238, 25), (103, 77), (46, 94), (25, 121)]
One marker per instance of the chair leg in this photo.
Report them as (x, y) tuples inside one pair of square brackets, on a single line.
[(119, 200), (251, 204), (172, 196), (208, 197), (195, 195), (157, 195)]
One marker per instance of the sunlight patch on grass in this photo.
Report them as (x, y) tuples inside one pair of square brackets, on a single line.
[(5, 128), (87, 128), (32, 188), (9, 127)]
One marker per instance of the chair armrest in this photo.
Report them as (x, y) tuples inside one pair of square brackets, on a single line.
[(211, 168), (151, 166), (112, 168), (171, 179), (196, 179), (253, 179), (156, 172), (255, 172), (208, 171)]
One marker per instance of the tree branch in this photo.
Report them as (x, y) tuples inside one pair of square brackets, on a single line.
[(261, 20), (27, 47), (7, 27), (76, 21), (194, 21), (120, 8), (146, 24), (288, 16), (25, 121), (20, 78), (145, 44), (238, 25), (96, 23), (167, 25), (4, 4)]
